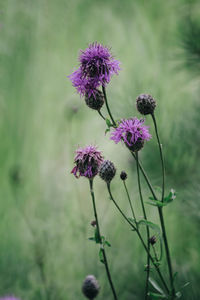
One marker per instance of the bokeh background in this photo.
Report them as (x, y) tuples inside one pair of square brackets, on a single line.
[(45, 212)]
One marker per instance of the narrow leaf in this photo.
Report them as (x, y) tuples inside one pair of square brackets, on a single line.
[(101, 255), (156, 296), (156, 286)]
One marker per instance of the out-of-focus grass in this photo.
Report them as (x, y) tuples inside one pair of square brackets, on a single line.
[(42, 121)]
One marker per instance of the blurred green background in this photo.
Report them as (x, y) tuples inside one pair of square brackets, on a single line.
[(45, 212)]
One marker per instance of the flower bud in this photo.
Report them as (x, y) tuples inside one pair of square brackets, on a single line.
[(152, 240), (145, 104), (93, 223), (123, 175), (107, 171), (95, 101), (90, 287)]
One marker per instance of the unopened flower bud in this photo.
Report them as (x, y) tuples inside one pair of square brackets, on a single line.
[(123, 175), (95, 101), (107, 171), (152, 240), (90, 287), (93, 223), (145, 104)]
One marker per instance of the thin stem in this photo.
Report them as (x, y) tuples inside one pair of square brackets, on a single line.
[(130, 203), (161, 156), (155, 253), (160, 209), (140, 237), (100, 113), (107, 106), (147, 228), (100, 239)]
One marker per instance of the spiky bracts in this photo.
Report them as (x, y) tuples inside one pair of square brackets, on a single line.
[(107, 171), (90, 287), (145, 104)]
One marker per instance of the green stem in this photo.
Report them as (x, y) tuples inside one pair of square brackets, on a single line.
[(147, 228), (100, 239), (101, 115), (160, 209), (130, 203), (161, 156), (140, 237), (107, 106)]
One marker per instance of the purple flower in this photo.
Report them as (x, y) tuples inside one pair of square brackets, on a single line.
[(87, 162), (97, 66), (9, 298), (132, 132)]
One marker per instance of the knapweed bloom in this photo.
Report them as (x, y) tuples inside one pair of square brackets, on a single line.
[(90, 287), (87, 161), (132, 132), (97, 66), (9, 298)]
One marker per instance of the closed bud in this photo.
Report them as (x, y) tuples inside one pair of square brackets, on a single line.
[(90, 287), (95, 101), (145, 104), (123, 175), (107, 171), (152, 240), (93, 223)]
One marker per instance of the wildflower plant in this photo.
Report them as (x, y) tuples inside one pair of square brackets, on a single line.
[(96, 68)]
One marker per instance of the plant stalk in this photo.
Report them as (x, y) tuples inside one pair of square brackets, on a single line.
[(100, 239)]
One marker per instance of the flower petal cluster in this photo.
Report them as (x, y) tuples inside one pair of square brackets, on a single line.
[(87, 162), (131, 131), (97, 66)]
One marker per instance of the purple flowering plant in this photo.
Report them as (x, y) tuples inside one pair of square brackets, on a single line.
[(96, 68)]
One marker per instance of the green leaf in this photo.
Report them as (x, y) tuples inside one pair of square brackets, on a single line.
[(178, 295), (156, 203), (175, 275), (107, 243), (107, 130), (170, 197), (153, 226), (101, 258), (91, 238), (156, 296), (109, 124), (156, 286)]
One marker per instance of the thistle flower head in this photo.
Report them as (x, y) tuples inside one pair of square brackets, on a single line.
[(90, 287), (132, 132), (107, 171), (97, 66), (145, 104), (87, 161)]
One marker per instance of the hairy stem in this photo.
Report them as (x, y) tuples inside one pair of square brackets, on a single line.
[(141, 239), (101, 244)]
